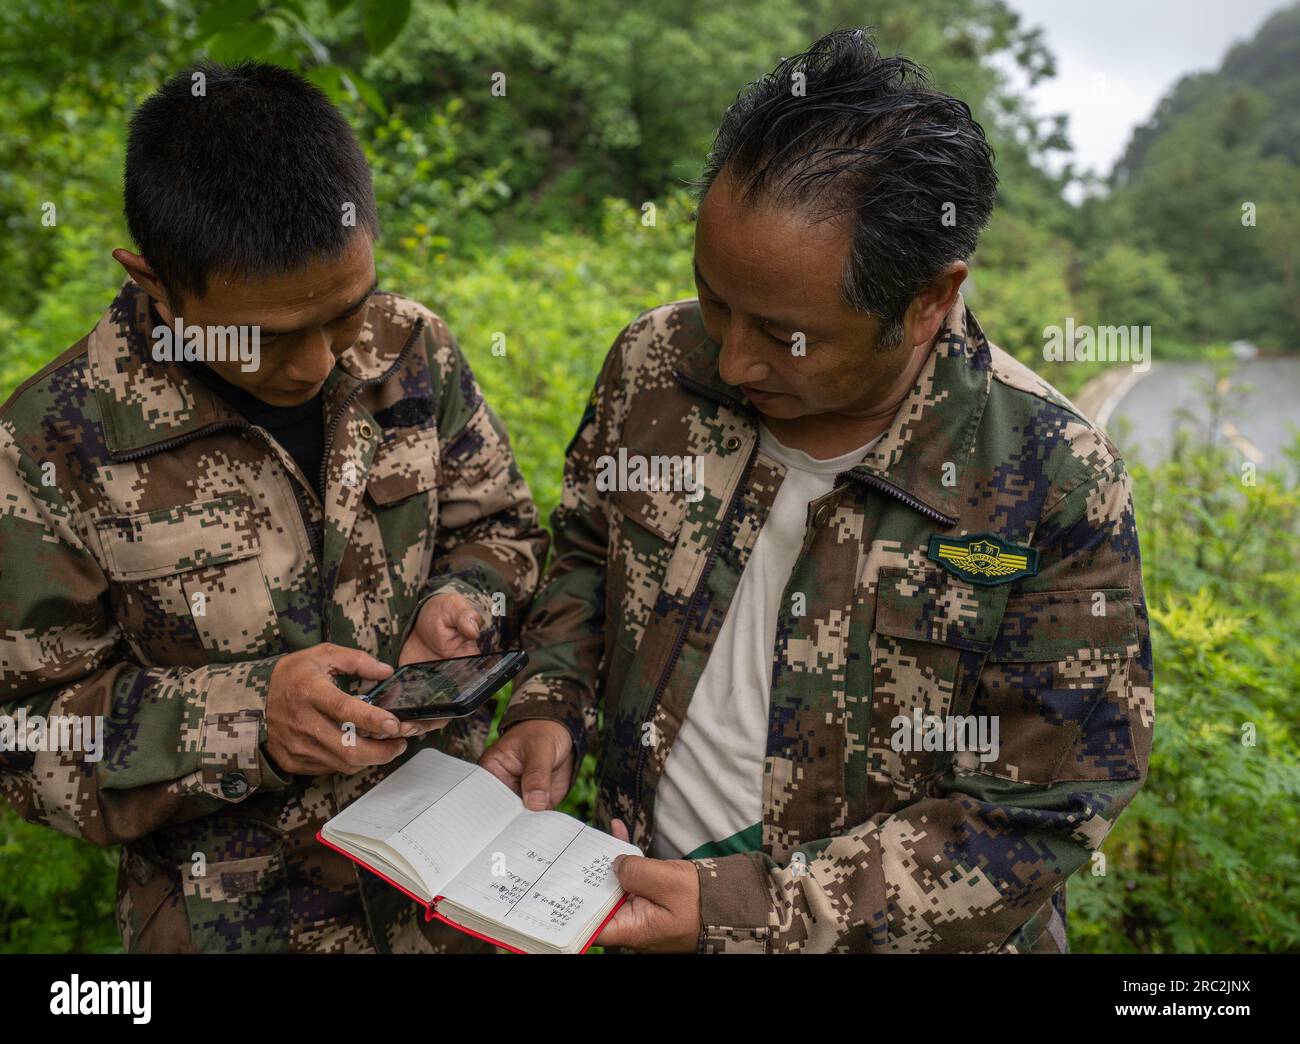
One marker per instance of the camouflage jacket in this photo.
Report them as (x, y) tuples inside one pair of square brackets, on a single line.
[(865, 846), (158, 553)]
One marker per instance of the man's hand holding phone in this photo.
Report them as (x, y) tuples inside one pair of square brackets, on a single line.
[(308, 716), (313, 727)]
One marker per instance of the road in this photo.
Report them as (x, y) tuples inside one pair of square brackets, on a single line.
[(1262, 414)]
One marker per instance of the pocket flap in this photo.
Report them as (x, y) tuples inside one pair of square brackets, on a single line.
[(659, 511), (1041, 626), (932, 606), (233, 878), (176, 540), (404, 466)]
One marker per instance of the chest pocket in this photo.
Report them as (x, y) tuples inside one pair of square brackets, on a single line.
[(1055, 682), (643, 532), (402, 496), (187, 583), (931, 637), (404, 466)]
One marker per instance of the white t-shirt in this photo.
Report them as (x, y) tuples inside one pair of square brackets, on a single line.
[(709, 801)]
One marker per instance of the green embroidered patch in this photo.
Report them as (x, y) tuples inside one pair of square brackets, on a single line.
[(983, 559)]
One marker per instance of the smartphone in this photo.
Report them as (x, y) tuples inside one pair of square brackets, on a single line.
[(445, 688)]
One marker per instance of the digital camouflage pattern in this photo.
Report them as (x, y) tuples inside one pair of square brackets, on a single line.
[(158, 553), (864, 848)]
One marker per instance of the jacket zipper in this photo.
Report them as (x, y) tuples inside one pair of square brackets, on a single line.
[(181, 440), (905, 497), (325, 457), (352, 395), (318, 546), (680, 639)]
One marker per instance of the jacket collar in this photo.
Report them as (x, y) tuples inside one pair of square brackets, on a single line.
[(145, 404), (935, 425)]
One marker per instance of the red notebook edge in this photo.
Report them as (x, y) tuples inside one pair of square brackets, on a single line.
[(428, 907), (431, 909)]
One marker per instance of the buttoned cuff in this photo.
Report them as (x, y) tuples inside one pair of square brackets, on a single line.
[(735, 904), (232, 765)]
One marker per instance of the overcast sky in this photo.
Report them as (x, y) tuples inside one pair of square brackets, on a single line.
[(1115, 59)]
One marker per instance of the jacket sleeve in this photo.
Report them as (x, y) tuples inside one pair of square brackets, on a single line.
[(1069, 677), (564, 633), (488, 544), (135, 747)]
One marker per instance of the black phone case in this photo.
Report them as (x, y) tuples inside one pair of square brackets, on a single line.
[(500, 683)]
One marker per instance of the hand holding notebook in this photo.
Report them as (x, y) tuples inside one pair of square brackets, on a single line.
[(454, 837)]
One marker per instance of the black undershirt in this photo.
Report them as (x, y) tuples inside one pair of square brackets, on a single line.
[(299, 429)]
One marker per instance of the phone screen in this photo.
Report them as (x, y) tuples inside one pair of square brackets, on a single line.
[(443, 687)]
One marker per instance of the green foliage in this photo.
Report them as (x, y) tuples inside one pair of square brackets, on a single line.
[(57, 894), (421, 173), (1131, 287), (524, 216), (1019, 283), (559, 302), (1205, 858), (1213, 182)]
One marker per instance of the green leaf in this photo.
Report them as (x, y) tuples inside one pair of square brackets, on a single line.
[(282, 57), (367, 92), (329, 78), (383, 21), (225, 15), (249, 41)]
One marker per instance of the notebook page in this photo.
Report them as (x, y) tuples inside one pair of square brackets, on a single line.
[(444, 837), (546, 875), (395, 812), (400, 797)]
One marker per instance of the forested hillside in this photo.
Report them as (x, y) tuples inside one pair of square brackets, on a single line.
[(1212, 183)]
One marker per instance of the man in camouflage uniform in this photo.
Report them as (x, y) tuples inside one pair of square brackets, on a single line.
[(168, 564), (973, 557)]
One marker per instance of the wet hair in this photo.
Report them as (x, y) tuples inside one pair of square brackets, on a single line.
[(247, 177), (842, 131)]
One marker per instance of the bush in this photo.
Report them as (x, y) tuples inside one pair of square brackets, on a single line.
[(1205, 859), (559, 303), (56, 893)]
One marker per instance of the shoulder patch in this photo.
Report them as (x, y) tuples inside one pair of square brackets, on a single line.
[(983, 559)]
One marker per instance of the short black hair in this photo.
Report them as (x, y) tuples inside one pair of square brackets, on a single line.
[(248, 177), (866, 135)]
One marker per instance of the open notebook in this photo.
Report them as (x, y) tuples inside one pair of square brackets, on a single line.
[(454, 837)]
